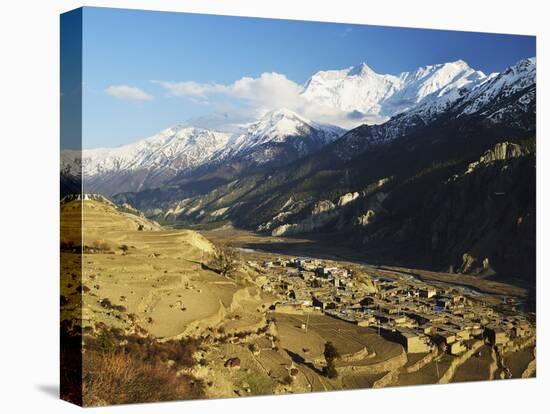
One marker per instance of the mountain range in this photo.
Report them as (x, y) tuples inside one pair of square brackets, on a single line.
[(443, 176), (365, 93), (278, 137)]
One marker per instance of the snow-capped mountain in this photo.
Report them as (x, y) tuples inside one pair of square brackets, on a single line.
[(378, 97), (499, 87), (145, 163), (411, 99), (278, 125), (175, 148), (499, 98), (278, 131), (279, 137)]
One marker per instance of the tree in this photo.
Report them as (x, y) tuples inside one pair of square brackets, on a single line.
[(225, 260), (330, 353)]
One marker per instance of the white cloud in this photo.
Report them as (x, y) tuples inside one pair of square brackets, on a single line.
[(269, 91), (128, 92), (271, 88), (190, 88)]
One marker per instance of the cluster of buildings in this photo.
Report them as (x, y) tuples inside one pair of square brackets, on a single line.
[(409, 311)]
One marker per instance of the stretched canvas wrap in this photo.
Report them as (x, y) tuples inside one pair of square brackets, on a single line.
[(258, 206)]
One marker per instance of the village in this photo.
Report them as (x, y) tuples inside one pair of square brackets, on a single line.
[(401, 308)]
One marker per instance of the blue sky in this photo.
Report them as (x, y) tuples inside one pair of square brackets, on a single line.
[(134, 62)]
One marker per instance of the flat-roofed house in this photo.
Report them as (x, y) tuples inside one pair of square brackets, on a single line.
[(496, 335), (427, 292), (456, 348), (445, 337), (412, 341)]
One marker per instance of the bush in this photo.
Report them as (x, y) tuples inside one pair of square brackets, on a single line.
[(329, 370), (121, 378), (106, 303), (225, 260), (330, 353), (145, 348), (101, 245)]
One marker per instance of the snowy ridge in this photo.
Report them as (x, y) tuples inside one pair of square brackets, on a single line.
[(183, 148), (176, 148), (500, 86), (408, 100), (277, 127), (377, 96), (487, 97)]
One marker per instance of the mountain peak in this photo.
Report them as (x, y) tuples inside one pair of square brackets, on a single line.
[(281, 113), (459, 62), (525, 64), (447, 70), (517, 77), (359, 89), (280, 122), (361, 69)]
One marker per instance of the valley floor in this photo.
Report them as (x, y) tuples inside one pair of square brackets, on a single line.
[(326, 247), (256, 331)]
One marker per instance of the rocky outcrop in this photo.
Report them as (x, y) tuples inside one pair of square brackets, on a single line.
[(322, 206), (341, 212), (500, 152), (284, 229), (347, 198), (366, 218)]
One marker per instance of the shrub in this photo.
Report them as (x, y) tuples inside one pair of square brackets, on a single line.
[(329, 370), (121, 378), (101, 245), (225, 260), (330, 353), (106, 303)]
